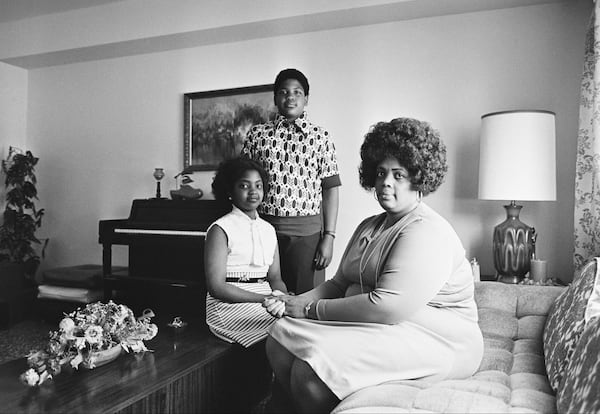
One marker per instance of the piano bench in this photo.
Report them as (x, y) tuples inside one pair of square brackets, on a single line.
[(88, 276), (64, 289)]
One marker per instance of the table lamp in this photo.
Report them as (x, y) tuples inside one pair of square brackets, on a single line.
[(517, 162)]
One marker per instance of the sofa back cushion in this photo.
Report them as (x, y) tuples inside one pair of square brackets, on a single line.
[(514, 312), (566, 322), (579, 392)]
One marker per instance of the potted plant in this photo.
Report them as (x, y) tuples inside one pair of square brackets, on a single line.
[(18, 258), (21, 218)]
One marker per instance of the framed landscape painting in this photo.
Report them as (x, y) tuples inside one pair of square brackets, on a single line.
[(216, 123)]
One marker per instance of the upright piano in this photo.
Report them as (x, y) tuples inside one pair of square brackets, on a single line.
[(166, 249)]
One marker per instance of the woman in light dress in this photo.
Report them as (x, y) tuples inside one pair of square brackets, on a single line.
[(401, 304), (241, 258)]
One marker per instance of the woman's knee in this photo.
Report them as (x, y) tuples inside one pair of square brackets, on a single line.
[(310, 392)]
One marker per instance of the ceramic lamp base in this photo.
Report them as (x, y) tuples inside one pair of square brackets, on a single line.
[(513, 246), (508, 279)]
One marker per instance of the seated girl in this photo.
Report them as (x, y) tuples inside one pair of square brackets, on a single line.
[(241, 258)]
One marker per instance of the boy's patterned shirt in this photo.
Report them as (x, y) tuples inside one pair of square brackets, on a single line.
[(297, 156)]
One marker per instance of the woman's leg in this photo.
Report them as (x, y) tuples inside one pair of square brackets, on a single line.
[(309, 393)]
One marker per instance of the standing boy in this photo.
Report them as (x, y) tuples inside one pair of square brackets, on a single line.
[(301, 201)]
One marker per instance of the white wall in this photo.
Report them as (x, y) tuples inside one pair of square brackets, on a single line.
[(13, 115), (13, 101), (101, 127)]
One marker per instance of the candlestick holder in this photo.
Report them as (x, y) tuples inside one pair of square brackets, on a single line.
[(159, 174)]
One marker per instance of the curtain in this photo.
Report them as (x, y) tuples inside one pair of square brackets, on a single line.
[(587, 173)]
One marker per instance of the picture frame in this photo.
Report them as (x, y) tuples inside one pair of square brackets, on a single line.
[(216, 123)]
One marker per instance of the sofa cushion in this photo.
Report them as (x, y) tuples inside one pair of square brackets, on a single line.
[(485, 392), (566, 322), (579, 393), (425, 397)]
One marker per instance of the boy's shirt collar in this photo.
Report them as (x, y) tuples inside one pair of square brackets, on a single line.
[(302, 123)]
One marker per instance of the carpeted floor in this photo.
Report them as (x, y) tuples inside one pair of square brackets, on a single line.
[(19, 339)]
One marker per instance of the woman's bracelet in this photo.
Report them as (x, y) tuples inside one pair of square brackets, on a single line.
[(330, 233), (307, 309), (317, 310)]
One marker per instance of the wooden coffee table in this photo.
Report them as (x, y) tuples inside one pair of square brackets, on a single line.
[(187, 372)]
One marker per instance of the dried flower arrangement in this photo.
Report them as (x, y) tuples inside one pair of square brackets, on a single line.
[(84, 334)]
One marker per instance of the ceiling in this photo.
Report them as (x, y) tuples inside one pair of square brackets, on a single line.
[(59, 32), (11, 10), (23, 9)]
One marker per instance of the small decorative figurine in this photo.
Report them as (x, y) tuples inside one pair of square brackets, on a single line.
[(159, 174)]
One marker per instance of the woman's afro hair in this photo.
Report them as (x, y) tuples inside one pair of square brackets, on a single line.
[(416, 146)]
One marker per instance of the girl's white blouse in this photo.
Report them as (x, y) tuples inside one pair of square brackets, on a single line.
[(251, 243)]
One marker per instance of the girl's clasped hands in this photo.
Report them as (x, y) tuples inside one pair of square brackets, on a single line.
[(274, 305), (280, 304)]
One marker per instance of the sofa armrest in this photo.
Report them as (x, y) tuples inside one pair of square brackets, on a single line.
[(514, 311)]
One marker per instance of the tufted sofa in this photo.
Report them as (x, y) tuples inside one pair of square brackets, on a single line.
[(542, 347)]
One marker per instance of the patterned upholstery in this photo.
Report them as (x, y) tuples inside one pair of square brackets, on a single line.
[(566, 323), (579, 393), (511, 377)]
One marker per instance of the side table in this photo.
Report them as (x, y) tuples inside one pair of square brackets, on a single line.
[(489, 278), (554, 282)]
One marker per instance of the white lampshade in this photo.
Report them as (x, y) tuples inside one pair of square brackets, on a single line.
[(518, 156)]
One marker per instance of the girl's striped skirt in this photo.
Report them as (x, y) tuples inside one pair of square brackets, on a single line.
[(244, 323)]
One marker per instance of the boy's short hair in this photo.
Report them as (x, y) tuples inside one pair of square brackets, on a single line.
[(291, 74)]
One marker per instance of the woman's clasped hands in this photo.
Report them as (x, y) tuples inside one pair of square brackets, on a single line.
[(280, 304)]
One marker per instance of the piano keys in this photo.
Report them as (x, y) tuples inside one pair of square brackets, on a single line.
[(165, 239), (183, 233)]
